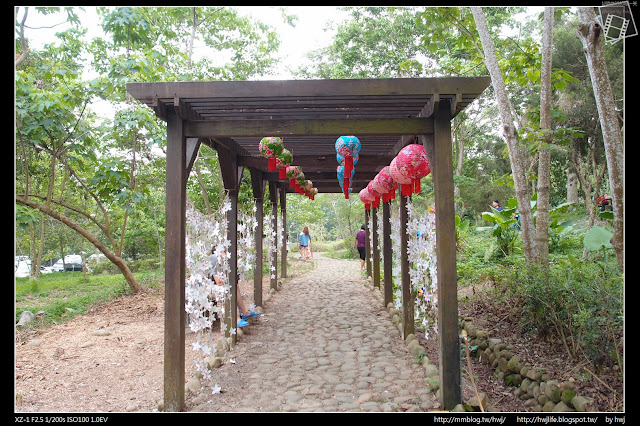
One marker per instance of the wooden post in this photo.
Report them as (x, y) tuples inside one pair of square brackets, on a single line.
[(376, 251), (367, 239), (388, 261), (283, 210), (407, 294), (442, 169), (273, 198), (174, 269), (257, 183), (231, 176), (232, 235)]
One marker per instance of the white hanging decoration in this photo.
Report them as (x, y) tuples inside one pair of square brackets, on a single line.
[(421, 250), (204, 299)]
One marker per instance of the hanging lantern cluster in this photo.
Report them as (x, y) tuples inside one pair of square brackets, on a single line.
[(303, 186), (280, 160), (407, 168), (347, 155)]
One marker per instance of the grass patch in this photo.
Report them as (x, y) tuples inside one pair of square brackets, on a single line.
[(63, 295)]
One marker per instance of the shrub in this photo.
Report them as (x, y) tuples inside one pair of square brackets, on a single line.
[(577, 303)]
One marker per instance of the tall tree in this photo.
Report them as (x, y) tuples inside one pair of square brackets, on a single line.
[(105, 159), (516, 154), (589, 33), (544, 157)]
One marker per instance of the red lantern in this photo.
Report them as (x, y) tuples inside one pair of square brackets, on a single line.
[(384, 184), (399, 175), (366, 198), (375, 194), (409, 166)]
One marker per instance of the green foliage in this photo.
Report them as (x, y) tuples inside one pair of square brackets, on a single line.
[(506, 227), (578, 304)]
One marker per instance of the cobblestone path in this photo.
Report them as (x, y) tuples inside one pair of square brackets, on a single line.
[(324, 343)]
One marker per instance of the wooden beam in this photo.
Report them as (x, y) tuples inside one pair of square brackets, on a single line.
[(387, 253), (174, 310), (442, 172), (146, 92), (293, 127), (407, 295)]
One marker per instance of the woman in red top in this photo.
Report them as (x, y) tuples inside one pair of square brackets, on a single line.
[(359, 243)]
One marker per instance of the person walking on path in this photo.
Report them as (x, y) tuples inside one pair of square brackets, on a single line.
[(360, 245), (305, 243)]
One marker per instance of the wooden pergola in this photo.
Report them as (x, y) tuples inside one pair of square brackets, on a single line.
[(232, 117)]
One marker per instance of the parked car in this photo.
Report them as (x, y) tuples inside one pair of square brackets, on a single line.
[(72, 262), (23, 269)]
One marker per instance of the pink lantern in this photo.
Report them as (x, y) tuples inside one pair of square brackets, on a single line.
[(366, 198), (375, 194), (400, 177), (384, 184), (409, 166)]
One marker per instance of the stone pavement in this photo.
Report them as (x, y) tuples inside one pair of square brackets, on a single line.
[(324, 343)]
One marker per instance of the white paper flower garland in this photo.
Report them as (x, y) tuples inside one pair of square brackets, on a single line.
[(421, 250), (272, 245), (204, 299)]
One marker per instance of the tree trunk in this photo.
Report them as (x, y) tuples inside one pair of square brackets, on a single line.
[(118, 261), (589, 32), (510, 134), (572, 187), (544, 160), (459, 140)]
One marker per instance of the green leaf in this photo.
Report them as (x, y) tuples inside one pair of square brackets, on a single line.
[(597, 238)]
